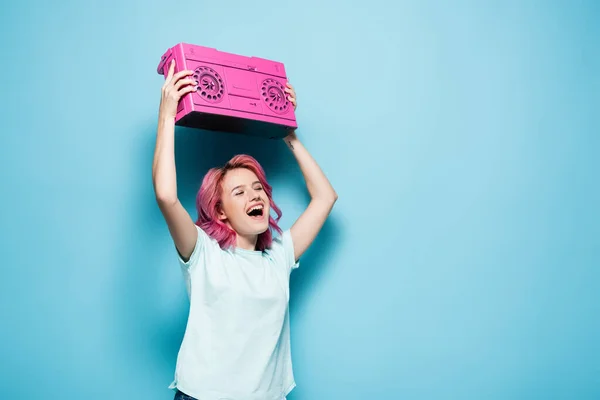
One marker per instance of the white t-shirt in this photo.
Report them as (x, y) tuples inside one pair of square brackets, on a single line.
[(237, 339)]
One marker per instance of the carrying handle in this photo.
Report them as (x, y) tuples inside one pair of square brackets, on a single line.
[(163, 60)]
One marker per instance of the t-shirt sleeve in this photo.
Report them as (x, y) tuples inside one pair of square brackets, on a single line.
[(288, 250), (201, 243)]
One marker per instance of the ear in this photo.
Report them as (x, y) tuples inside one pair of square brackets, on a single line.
[(220, 213)]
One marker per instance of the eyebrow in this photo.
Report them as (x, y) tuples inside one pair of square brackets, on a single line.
[(238, 186)]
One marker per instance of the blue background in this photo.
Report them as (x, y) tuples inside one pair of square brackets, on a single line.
[(460, 262)]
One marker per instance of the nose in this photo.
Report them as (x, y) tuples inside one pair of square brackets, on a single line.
[(255, 195)]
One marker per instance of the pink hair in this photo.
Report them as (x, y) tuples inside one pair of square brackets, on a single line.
[(208, 201)]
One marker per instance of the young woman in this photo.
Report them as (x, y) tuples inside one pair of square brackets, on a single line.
[(237, 339)]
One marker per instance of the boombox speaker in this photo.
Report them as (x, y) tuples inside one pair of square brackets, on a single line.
[(237, 94)]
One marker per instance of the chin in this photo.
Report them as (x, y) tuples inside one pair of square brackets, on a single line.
[(261, 229), (257, 225)]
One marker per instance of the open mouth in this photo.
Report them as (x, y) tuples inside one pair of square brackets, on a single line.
[(256, 211)]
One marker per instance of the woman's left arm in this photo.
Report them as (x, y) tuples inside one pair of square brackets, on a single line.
[(322, 194)]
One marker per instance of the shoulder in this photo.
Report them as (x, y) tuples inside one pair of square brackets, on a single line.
[(282, 250), (204, 244)]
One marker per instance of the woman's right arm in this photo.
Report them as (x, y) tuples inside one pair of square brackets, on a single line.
[(180, 224)]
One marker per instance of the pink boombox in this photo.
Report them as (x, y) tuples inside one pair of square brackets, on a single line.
[(235, 93)]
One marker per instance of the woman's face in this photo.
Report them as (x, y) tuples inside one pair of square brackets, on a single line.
[(244, 204)]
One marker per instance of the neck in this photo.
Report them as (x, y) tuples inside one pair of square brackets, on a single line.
[(246, 242)]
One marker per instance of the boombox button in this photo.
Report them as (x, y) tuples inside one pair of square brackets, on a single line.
[(245, 104)]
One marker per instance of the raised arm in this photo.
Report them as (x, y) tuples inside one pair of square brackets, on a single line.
[(322, 194), (180, 224)]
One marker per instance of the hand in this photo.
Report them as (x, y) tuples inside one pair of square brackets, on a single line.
[(292, 94), (173, 89), (292, 98)]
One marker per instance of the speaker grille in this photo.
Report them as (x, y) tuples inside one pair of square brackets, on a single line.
[(210, 84), (274, 96)]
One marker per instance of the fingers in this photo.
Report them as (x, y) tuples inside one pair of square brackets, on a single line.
[(182, 82), (173, 94), (292, 93), (292, 100), (175, 91), (171, 69), (181, 74), (187, 89), (174, 78), (289, 88), (177, 79), (182, 87)]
